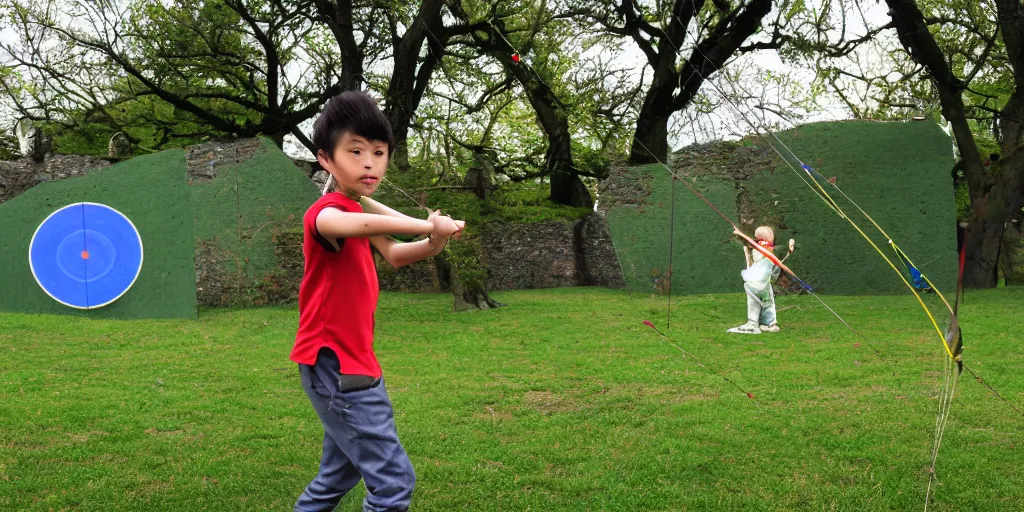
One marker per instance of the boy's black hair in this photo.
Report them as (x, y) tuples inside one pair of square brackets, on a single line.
[(351, 111)]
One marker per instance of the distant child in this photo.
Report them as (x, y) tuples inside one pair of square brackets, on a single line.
[(757, 283), (337, 302)]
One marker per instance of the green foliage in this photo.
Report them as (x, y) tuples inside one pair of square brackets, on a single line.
[(597, 98), (8, 147), (464, 258), (165, 73), (564, 402), (963, 203), (149, 123), (883, 82)]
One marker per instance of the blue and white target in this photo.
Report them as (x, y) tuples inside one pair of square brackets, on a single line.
[(86, 255)]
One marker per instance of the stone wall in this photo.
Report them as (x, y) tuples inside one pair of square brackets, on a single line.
[(20, 175), (538, 255), (596, 258), (517, 256)]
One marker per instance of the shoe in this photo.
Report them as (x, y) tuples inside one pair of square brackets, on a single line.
[(747, 328), (770, 328)]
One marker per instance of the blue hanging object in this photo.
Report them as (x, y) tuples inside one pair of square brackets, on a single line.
[(917, 278), (86, 255)]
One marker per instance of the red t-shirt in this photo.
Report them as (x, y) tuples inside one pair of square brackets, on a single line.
[(338, 295)]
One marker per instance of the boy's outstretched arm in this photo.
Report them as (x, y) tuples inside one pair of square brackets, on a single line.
[(373, 206), (399, 254), (746, 250), (335, 223)]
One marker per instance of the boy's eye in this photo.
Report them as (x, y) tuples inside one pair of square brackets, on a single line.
[(380, 153), (355, 151)]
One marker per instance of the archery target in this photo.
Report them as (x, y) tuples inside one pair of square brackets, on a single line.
[(86, 255)]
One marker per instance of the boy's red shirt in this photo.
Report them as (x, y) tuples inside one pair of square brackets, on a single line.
[(337, 296)]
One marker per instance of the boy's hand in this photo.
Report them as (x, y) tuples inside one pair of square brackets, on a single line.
[(444, 226), (458, 234)]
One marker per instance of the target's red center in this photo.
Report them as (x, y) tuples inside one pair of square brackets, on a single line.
[(85, 255)]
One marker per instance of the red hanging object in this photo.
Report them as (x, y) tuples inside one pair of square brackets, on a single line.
[(649, 324), (515, 58)]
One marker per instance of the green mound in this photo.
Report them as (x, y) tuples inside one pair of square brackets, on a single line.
[(245, 197), (232, 211), (897, 172), (152, 192)]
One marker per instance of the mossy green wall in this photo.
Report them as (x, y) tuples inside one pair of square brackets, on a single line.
[(898, 172), (152, 192)]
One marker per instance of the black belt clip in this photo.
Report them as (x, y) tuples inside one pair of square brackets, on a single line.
[(347, 383)]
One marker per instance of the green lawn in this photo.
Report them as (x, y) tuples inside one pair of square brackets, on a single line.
[(561, 401)]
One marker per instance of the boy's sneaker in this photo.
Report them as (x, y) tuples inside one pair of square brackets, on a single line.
[(747, 328), (770, 328)]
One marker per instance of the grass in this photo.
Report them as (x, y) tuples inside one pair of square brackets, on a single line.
[(561, 401)]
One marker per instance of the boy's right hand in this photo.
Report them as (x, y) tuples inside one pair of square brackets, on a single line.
[(458, 234), (444, 226)]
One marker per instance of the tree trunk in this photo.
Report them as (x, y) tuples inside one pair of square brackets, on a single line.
[(337, 15), (469, 299), (480, 177), (980, 262), (673, 86), (995, 194), (998, 199), (1010, 252), (650, 142), (566, 186), (408, 83)]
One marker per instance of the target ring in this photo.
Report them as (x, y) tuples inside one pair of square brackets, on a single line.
[(86, 255)]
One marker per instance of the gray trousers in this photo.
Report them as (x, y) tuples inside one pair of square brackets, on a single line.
[(360, 442)]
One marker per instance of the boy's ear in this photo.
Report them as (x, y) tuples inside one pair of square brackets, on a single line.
[(323, 158)]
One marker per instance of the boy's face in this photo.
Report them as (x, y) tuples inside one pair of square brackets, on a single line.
[(358, 164)]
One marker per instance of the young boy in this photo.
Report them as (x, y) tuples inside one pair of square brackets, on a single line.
[(757, 283), (337, 301)]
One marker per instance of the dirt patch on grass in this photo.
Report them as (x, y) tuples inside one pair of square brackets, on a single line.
[(547, 403)]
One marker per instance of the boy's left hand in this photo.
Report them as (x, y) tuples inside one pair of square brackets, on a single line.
[(460, 224)]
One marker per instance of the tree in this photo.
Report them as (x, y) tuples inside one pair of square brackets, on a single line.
[(661, 33), (490, 33), (417, 53), (411, 70), (243, 67), (996, 193)]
